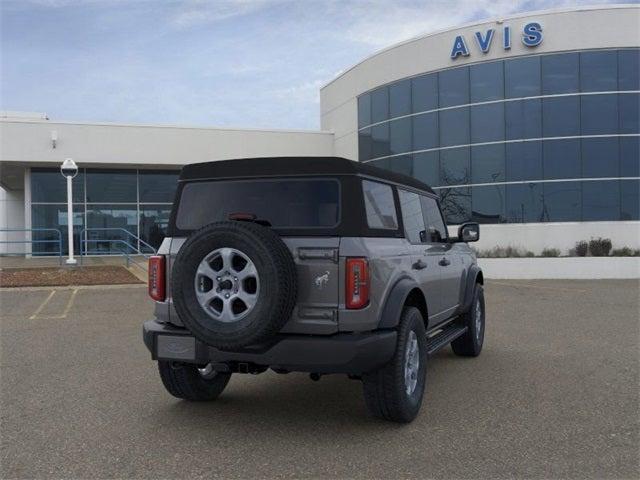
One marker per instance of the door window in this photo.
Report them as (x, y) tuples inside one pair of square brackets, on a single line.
[(412, 216), (379, 205), (436, 229)]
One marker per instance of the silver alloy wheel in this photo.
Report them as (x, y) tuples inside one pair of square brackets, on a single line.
[(227, 285), (411, 363), (207, 372), (478, 319)]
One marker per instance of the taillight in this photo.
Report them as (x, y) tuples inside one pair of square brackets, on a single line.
[(156, 278), (357, 283)]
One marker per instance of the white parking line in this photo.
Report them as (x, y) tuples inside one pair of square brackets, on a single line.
[(42, 305), (64, 313)]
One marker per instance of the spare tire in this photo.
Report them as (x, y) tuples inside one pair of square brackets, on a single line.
[(234, 284)]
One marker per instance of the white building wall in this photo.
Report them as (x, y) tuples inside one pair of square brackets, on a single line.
[(11, 217)]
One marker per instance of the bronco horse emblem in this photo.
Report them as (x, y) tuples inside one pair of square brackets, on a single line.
[(322, 280)]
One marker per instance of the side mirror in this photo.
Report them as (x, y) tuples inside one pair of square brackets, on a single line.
[(469, 232)]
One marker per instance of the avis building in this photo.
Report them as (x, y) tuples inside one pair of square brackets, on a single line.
[(528, 124)]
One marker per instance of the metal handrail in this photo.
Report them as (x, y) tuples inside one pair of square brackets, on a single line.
[(32, 241), (123, 230), (118, 241)]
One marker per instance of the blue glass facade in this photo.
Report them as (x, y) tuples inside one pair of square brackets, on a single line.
[(545, 138)]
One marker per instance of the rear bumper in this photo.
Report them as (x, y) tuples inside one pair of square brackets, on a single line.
[(341, 353)]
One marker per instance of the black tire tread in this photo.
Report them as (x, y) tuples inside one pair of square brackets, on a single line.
[(465, 345), (184, 381)]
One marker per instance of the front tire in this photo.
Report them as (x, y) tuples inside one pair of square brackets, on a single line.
[(395, 391), (470, 344), (189, 382)]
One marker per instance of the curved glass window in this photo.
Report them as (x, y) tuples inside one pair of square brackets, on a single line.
[(523, 119), (424, 93), (425, 131), (600, 157), (454, 166), (560, 73), (487, 123), (599, 114), (453, 87), (561, 116), (523, 161), (562, 201), (487, 81), (400, 99), (487, 164), (598, 72), (454, 127), (522, 77), (561, 159), (379, 105)]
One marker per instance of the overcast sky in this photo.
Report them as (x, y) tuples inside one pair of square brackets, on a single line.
[(243, 63)]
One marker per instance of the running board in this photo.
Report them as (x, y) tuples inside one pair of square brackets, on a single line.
[(444, 338)]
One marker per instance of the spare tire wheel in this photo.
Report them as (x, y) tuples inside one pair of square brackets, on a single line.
[(234, 284)]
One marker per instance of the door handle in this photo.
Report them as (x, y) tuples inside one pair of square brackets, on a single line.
[(444, 262), (419, 265)]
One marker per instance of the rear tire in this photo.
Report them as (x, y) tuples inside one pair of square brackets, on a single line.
[(187, 382), (390, 392), (470, 344)]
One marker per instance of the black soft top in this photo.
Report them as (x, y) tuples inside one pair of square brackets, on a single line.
[(292, 166)]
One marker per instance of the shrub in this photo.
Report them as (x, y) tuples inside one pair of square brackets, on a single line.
[(505, 252), (600, 247), (550, 252), (625, 252), (582, 248)]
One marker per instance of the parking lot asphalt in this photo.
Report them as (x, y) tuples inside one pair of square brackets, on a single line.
[(554, 394)]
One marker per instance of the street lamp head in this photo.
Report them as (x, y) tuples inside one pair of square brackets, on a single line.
[(69, 169)]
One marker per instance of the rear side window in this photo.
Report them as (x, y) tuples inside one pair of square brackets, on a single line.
[(284, 203), (412, 216), (379, 205), (433, 218)]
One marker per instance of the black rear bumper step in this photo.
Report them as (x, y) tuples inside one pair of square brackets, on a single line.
[(444, 338)]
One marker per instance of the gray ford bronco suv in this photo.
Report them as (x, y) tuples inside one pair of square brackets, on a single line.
[(320, 265)]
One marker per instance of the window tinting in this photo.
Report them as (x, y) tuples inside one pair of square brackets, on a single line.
[(400, 135), (436, 229), (487, 123), (524, 203), (561, 159), (365, 144), (522, 77), (629, 113), (599, 114), (401, 164), (523, 119), (562, 201), (411, 215), (454, 166), (454, 127), (487, 81), (561, 116), (487, 164), (119, 219), (523, 161), (379, 105), (453, 86), (283, 203), (426, 167), (380, 140), (629, 69), (154, 220), (364, 110), (630, 200), (600, 200), (49, 186), (158, 187), (630, 156), (424, 92), (400, 98), (487, 204), (119, 186), (598, 71), (600, 157), (425, 131), (560, 73), (379, 205), (55, 217), (456, 204)]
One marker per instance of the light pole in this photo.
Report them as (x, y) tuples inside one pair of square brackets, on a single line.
[(69, 169)]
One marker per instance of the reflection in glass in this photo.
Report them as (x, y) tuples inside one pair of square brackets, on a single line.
[(487, 123), (454, 127), (561, 116), (379, 205), (522, 77), (599, 114), (488, 204), (629, 69), (364, 110), (560, 73), (49, 186), (598, 71), (116, 218), (426, 168), (157, 187), (380, 140), (523, 161), (365, 147), (562, 202), (454, 166), (630, 200), (111, 186), (453, 87), (456, 204), (600, 157), (487, 164), (424, 92), (154, 220), (400, 135), (411, 215), (425, 131), (400, 98), (379, 104), (630, 156), (600, 200), (629, 113), (55, 216), (487, 81), (523, 119), (402, 164), (561, 159), (524, 203)]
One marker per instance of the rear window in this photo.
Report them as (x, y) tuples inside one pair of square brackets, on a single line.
[(284, 203)]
